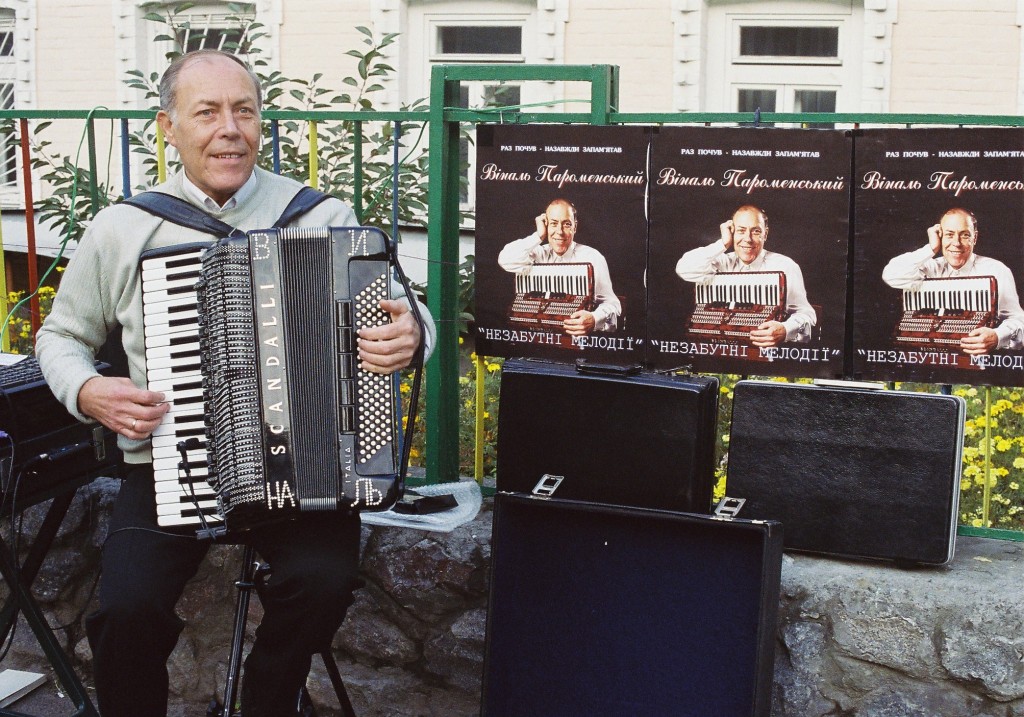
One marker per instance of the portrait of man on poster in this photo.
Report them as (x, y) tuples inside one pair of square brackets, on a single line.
[(741, 248), (950, 253), (554, 242)]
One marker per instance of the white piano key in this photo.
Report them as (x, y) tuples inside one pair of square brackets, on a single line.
[(165, 295), (187, 394), (171, 428), (173, 485), (179, 370), (177, 383), (183, 316), (184, 493), (163, 261), (160, 352), (175, 509), (173, 521), (168, 303), (167, 450), (170, 463), (170, 283), (172, 332)]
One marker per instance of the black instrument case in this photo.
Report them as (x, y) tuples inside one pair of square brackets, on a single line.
[(849, 471), (607, 434), (609, 611)]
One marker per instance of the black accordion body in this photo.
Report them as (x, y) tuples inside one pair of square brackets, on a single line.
[(290, 421)]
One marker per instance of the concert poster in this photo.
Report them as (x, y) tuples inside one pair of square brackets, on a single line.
[(748, 249), (561, 242), (938, 257)]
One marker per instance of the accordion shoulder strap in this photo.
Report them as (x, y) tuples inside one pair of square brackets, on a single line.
[(179, 211), (304, 200)]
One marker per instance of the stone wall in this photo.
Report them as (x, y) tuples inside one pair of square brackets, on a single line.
[(855, 639)]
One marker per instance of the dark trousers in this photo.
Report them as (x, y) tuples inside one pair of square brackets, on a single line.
[(314, 562)]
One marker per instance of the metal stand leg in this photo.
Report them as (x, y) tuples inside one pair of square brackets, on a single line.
[(19, 583), (253, 575), (339, 687), (245, 584)]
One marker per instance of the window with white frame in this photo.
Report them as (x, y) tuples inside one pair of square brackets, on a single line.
[(219, 26), (8, 82), (442, 33), (775, 59), (469, 42)]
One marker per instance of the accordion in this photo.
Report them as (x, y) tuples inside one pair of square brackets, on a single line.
[(548, 294), (253, 341), (940, 312), (734, 303)]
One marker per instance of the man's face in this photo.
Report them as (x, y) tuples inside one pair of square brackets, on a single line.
[(215, 127), (957, 238), (748, 234), (561, 227)]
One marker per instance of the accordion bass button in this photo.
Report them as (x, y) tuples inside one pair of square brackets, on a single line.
[(345, 366), (347, 414), (345, 343), (344, 313)]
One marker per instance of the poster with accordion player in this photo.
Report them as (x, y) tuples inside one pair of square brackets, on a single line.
[(561, 242), (749, 236), (938, 257)]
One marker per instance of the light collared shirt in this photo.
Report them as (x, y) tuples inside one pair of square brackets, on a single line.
[(198, 196)]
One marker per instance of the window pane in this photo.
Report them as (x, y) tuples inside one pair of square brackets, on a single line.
[(501, 95), (8, 143), (752, 100), (789, 41), (815, 101), (6, 32), (480, 40), (212, 38)]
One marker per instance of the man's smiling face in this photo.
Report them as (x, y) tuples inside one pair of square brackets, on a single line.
[(214, 125)]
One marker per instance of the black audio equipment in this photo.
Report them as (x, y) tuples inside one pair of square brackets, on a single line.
[(47, 447)]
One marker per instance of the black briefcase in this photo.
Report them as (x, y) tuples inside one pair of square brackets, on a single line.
[(607, 434), (608, 611), (849, 471)]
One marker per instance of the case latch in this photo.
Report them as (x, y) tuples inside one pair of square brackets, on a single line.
[(729, 507), (547, 484)]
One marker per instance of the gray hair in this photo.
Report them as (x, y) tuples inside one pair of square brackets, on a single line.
[(169, 81)]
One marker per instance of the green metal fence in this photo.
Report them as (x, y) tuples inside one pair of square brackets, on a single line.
[(445, 120)]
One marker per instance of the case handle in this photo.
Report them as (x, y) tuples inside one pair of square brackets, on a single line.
[(606, 369)]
